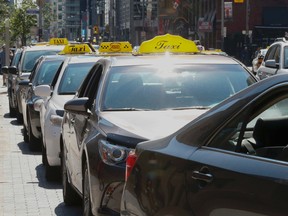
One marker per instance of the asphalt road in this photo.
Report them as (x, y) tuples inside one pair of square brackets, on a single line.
[(23, 187)]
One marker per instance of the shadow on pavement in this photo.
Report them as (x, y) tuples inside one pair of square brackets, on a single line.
[(24, 147), (63, 210), (40, 172)]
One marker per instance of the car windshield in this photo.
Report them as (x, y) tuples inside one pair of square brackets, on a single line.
[(73, 77), (179, 87), (46, 72), (31, 57)]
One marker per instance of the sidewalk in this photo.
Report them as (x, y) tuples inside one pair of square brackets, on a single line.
[(23, 187)]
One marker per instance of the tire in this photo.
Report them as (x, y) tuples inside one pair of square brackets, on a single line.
[(51, 172), (34, 142), (12, 111), (19, 116), (25, 134), (70, 196), (43, 150), (87, 211)]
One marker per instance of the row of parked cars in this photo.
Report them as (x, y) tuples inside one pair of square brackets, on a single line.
[(167, 130)]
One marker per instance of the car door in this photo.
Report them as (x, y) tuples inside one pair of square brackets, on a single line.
[(273, 54), (226, 178), (78, 124)]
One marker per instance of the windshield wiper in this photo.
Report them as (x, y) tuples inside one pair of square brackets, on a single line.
[(192, 107), (125, 109)]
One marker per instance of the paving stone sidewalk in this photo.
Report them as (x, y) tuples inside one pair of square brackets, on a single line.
[(23, 187)]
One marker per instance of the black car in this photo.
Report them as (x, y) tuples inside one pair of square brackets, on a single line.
[(232, 160), (42, 74), (128, 99)]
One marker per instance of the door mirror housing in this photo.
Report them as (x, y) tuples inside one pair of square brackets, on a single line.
[(43, 90), (271, 63), (12, 70), (77, 106), (4, 70)]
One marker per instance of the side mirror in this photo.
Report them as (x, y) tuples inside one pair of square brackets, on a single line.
[(4, 70), (42, 90), (271, 63), (77, 106), (24, 83), (12, 70)]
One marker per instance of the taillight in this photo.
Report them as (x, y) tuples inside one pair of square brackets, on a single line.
[(130, 162)]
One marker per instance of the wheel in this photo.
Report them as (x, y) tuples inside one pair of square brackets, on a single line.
[(86, 194), (70, 196), (12, 111), (25, 134), (51, 172), (44, 156), (34, 142), (19, 116)]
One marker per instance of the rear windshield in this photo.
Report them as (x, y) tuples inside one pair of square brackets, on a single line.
[(30, 58)]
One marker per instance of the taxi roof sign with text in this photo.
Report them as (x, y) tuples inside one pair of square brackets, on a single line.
[(76, 49), (115, 47), (168, 43), (58, 41)]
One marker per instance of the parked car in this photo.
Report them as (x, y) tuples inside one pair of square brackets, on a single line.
[(43, 73), (275, 60), (232, 160), (257, 61), (28, 58), (66, 82), (128, 99), (11, 79)]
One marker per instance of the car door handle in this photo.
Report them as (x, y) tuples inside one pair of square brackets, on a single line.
[(202, 176)]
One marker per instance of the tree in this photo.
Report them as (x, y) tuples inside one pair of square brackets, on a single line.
[(21, 22), (5, 11)]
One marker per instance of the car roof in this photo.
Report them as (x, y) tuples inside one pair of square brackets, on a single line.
[(44, 47), (178, 59)]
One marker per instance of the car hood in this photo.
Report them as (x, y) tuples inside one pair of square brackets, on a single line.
[(146, 124)]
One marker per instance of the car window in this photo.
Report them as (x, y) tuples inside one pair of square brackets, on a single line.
[(270, 53), (152, 88), (264, 134), (73, 76), (46, 72), (285, 57), (277, 54), (30, 58)]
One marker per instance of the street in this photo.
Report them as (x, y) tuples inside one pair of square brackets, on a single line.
[(23, 187)]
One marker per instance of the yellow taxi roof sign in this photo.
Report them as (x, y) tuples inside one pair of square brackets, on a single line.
[(115, 47), (58, 41), (76, 49), (168, 43)]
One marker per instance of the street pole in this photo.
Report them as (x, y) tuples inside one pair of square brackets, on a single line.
[(87, 17), (222, 25), (247, 22), (7, 43)]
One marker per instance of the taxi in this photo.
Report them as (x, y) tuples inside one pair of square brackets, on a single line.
[(128, 99), (79, 58), (42, 74), (28, 57)]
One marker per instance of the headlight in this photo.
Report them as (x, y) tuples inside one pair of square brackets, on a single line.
[(112, 154)]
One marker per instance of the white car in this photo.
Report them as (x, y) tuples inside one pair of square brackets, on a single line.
[(62, 89)]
